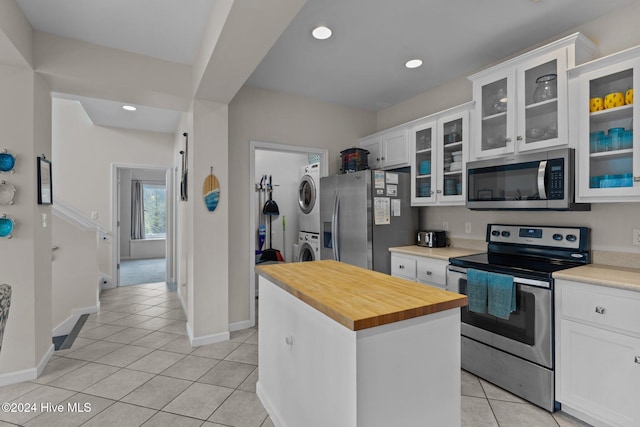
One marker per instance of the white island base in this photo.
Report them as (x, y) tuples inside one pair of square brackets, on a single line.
[(315, 372)]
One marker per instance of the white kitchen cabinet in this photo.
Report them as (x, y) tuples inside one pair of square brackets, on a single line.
[(440, 144), (598, 353), (388, 149), (609, 160), (512, 113), (428, 271)]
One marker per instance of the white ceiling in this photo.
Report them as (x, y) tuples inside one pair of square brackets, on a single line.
[(361, 66), (164, 29)]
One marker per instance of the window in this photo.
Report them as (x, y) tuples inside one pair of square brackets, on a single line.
[(155, 217)]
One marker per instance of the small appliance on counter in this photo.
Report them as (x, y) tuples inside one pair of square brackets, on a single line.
[(432, 238)]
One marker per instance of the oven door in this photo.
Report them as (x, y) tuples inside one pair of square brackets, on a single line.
[(528, 333)]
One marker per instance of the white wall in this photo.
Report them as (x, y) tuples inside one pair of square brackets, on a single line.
[(611, 224), (25, 259), (83, 154), (284, 168), (268, 116), (75, 270)]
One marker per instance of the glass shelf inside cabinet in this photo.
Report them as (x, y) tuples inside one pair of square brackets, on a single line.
[(611, 114)]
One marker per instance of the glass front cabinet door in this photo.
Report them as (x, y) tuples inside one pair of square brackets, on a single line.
[(521, 104), (423, 177), (440, 144), (522, 108), (609, 157)]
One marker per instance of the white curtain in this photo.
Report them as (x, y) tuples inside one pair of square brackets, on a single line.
[(137, 210)]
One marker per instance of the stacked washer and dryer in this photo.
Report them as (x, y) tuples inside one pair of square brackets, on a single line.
[(308, 246)]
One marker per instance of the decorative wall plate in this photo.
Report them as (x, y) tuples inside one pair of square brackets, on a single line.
[(7, 161), (7, 193), (6, 226)]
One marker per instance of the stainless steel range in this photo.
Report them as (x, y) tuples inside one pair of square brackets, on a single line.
[(516, 353)]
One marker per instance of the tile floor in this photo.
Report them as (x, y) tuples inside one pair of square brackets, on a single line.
[(133, 364)]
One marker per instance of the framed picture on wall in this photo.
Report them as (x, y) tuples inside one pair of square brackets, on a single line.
[(45, 191)]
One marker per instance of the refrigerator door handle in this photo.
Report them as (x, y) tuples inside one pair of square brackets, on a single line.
[(334, 226)]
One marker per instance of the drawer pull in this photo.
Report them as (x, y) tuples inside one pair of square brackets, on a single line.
[(600, 310), (637, 360), (429, 273), (401, 266)]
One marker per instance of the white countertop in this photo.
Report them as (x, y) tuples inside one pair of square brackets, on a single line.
[(603, 275), (437, 253)]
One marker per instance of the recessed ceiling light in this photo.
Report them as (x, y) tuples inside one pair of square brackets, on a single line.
[(321, 32), (129, 107), (413, 63)]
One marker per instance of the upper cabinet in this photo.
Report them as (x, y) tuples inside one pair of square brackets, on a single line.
[(608, 149), (387, 149), (521, 104), (440, 144)]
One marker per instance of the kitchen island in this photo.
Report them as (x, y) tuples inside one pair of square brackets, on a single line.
[(343, 346)]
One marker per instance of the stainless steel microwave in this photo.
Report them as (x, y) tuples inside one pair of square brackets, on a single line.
[(538, 181)]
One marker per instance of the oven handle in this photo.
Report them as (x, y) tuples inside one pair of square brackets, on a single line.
[(517, 280)]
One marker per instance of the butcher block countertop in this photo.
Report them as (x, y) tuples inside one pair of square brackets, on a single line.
[(358, 298), (437, 253), (603, 275)]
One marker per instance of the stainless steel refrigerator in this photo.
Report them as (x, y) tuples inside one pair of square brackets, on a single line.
[(364, 213)]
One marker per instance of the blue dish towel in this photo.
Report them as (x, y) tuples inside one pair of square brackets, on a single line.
[(477, 290), (501, 295)]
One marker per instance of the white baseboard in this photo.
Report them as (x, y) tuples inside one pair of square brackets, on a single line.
[(207, 339), (27, 374), (236, 326), (267, 405), (67, 325)]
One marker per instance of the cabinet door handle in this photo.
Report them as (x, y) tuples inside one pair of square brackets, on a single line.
[(637, 360), (377, 159), (438, 191), (636, 179), (401, 266), (429, 273), (382, 157), (507, 140), (600, 310), (519, 137)]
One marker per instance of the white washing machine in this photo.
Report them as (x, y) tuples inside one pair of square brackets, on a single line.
[(308, 247), (309, 199)]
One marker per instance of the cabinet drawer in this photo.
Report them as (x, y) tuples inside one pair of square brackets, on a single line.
[(403, 267), (603, 307), (432, 272)]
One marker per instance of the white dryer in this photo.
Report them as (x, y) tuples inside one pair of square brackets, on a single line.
[(309, 199), (308, 247)]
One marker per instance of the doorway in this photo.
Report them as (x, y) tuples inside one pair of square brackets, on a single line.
[(256, 169), (143, 222)]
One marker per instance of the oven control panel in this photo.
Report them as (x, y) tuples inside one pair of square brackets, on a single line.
[(549, 236)]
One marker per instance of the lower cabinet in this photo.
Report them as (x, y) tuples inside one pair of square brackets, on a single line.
[(429, 271), (598, 353)]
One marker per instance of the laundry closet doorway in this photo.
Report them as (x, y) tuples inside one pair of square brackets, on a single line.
[(282, 163)]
